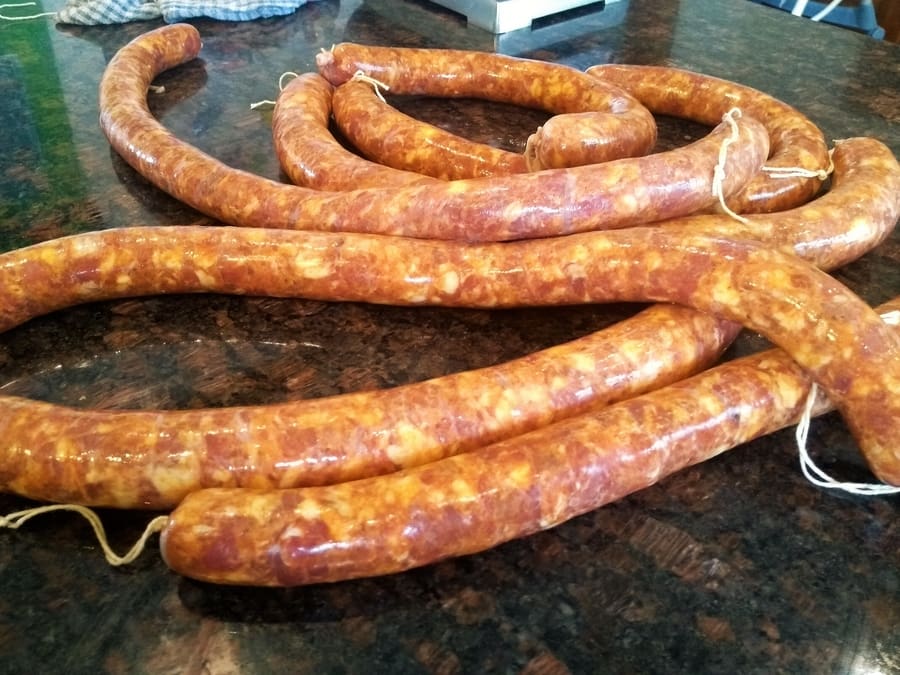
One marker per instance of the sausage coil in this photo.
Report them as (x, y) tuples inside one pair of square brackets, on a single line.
[(556, 201), (60, 454), (328, 266), (306, 443), (347, 521), (795, 141), (310, 155), (391, 138), (615, 124)]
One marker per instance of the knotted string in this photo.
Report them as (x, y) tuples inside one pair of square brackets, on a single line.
[(800, 172), (772, 171), (377, 85), (731, 118)]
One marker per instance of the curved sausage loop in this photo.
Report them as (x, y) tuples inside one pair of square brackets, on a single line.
[(45, 447), (308, 152), (545, 203), (610, 123), (466, 504), (796, 143), (307, 443), (383, 134), (845, 346)]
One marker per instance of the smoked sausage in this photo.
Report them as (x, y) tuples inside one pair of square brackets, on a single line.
[(824, 328), (391, 138), (544, 203), (60, 454), (796, 143), (611, 123), (469, 503), (856, 214), (176, 452), (308, 152)]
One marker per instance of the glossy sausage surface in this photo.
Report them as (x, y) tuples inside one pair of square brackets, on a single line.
[(796, 142), (468, 503), (46, 448), (611, 123), (308, 152), (544, 203), (391, 138), (152, 459)]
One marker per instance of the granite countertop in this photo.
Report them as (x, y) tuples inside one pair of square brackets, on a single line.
[(735, 565)]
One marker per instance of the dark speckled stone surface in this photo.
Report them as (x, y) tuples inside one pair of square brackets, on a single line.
[(735, 566)]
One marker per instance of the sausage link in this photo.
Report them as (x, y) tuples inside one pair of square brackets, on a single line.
[(856, 214), (466, 504), (148, 491), (308, 152), (387, 136), (592, 267), (556, 201), (59, 454), (579, 138), (864, 184), (620, 126), (795, 141)]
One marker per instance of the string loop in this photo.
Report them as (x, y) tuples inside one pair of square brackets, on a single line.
[(15, 520), (377, 85), (800, 172), (813, 473), (269, 102)]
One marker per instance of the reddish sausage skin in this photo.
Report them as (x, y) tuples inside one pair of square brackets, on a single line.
[(387, 136), (856, 214), (556, 201), (579, 138), (795, 141), (469, 503), (308, 152), (618, 126), (733, 287), (67, 455), (267, 446)]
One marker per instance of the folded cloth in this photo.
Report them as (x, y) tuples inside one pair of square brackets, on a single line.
[(95, 12), (227, 10)]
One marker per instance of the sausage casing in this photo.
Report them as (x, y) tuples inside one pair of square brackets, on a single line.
[(60, 454), (308, 152), (617, 124), (468, 503), (544, 203), (856, 214), (391, 138), (796, 143)]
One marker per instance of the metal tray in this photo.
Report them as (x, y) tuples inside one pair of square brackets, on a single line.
[(503, 16)]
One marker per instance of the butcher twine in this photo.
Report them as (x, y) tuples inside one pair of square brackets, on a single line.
[(816, 475), (266, 101), (731, 118), (15, 520), (377, 85)]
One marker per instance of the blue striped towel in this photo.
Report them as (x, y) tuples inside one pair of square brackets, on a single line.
[(96, 12)]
